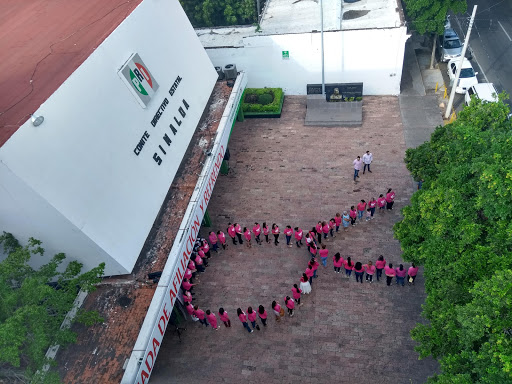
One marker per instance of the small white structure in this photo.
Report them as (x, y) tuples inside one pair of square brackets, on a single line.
[(363, 42), (90, 180)]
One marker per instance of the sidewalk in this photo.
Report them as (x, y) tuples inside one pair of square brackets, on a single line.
[(419, 103), (346, 332)]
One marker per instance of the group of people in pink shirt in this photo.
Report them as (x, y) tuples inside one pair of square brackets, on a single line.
[(313, 239)]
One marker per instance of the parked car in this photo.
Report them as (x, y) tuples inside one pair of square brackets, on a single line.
[(484, 91), (450, 46), (467, 76)]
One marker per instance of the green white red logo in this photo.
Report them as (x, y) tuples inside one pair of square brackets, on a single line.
[(140, 80)]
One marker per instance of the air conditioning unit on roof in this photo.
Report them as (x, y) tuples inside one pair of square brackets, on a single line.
[(230, 71)]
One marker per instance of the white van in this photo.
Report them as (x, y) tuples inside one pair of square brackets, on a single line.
[(483, 91)]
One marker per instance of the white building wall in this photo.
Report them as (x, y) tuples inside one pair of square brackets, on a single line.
[(80, 162), (372, 56)]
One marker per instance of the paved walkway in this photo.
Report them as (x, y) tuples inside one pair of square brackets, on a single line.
[(284, 172)]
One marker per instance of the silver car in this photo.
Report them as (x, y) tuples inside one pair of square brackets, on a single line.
[(450, 46)]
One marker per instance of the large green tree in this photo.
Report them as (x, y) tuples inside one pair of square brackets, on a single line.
[(34, 303), (459, 227), (429, 16), (218, 13)]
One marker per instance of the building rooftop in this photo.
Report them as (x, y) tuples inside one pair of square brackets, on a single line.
[(43, 43), (101, 351), (303, 16)]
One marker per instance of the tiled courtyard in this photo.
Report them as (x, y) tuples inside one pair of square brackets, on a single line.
[(346, 332)]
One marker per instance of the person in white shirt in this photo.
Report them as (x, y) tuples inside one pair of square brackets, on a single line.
[(357, 167), (367, 160)]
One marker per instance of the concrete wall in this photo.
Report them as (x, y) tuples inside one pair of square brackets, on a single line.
[(373, 56), (75, 182)]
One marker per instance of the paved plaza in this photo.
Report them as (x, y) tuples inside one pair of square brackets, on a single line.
[(283, 172)]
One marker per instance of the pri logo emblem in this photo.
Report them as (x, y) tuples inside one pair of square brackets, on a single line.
[(139, 80)]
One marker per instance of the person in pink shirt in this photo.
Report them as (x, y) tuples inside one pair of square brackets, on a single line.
[(251, 315), (324, 254), (372, 204), (379, 266), (349, 266), (232, 232), (381, 202), (192, 267), (325, 229), (353, 215), (187, 297), (357, 167), (298, 236), (412, 272), (288, 232), (332, 224), (223, 315), (296, 291), (186, 285), (319, 230), (370, 270), (262, 315), (312, 250), (338, 261), (309, 272), (205, 247), (315, 265), (212, 237), (337, 221), (277, 310), (400, 275), (390, 199), (199, 313), (238, 231), (199, 263), (188, 274), (368, 214), (275, 232), (243, 318), (266, 232), (290, 305), (212, 319), (390, 273), (359, 272), (361, 207), (247, 235), (256, 230), (190, 309), (222, 239)]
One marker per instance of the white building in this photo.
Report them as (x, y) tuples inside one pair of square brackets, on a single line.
[(363, 42), (90, 180)]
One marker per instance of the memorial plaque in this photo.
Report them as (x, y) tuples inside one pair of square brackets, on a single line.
[(337, 91)]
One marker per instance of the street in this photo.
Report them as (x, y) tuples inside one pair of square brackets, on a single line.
[(490, 40)]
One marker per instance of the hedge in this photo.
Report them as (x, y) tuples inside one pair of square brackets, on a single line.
[(272, 107)]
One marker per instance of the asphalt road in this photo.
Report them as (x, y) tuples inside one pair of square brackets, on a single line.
[(490, 40)]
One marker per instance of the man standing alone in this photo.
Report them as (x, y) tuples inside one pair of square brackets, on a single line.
[(357, 167), (367, 160)]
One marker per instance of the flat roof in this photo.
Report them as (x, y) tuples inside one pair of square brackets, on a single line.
[(43, 42), (101, 350), (282, 17)]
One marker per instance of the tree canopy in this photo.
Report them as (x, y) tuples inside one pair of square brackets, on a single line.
[(430, 15), (459, 227), (33, 303), (216, 13)]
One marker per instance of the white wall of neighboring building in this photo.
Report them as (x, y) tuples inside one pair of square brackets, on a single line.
[(372, 56), (75, 182)]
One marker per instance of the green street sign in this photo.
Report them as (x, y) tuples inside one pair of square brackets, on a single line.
[(286, 54)]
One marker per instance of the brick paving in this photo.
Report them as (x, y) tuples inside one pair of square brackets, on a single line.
[(345, 332)]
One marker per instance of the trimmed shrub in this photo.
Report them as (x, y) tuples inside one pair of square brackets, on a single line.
[(265, 99), (249, 95)]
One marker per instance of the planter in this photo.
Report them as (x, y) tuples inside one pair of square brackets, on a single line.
[(266, 114)]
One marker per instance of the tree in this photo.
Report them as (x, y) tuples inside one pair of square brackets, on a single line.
[(429, 16), (459, 227), (217, 13), (33, 303)]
